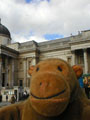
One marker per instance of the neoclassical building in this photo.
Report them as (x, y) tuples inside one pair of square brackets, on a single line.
[(16, 58)]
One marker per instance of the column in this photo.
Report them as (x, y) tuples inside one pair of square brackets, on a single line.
[(33, 61), (13, 73), (6, 71), (0, 72), (25, 72), (85, 61), (28, 65), (73, 57)]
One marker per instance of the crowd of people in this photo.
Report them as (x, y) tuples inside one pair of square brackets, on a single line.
[(13, 99), (84, 79), (24, 96), (84, 84)]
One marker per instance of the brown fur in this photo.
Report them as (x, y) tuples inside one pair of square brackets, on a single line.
[(78, 70), (55, 95)]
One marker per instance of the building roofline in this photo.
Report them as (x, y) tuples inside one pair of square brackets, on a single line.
[(9, 49)]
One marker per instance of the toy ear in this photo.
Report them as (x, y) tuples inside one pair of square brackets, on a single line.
[(30, 71), (78, 70)]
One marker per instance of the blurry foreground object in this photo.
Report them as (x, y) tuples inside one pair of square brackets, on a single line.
[(55, 94)]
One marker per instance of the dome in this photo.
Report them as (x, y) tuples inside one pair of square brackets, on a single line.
[(4, 31)]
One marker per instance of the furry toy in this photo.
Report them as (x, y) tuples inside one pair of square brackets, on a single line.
[(78, 70), (55, 95)]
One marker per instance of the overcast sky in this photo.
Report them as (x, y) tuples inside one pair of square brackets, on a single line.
[(42, 20)]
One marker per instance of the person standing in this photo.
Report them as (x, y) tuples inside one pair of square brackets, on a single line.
[(6, 98), (81, 82), (0, 97), (87, 89), (13, 100)]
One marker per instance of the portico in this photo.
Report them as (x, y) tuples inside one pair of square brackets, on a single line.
[(81, 57), (7, 64)]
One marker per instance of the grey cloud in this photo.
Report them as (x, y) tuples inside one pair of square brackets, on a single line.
[(57, 16)]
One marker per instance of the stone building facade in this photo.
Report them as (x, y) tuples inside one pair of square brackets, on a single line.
[(16, 58)]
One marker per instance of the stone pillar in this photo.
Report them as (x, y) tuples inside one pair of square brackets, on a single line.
[(85, 61), (33, 61), (73, 57), (28, 65), (13, 73), (6, 71), (25, 72), (0, 73)]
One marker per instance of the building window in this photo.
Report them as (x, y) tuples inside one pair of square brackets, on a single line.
[(3, 79), (29, 63), (69, 60), (20, 65), (80, 59), (21, 83)]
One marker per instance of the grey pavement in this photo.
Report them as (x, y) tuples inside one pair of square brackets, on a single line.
[(4, 104)]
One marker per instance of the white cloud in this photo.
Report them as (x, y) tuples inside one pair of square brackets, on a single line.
[(20, 38), (57, 16)]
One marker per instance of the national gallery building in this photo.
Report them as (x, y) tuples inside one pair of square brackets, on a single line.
[(16, 58)]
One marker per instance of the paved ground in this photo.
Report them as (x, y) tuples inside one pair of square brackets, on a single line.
[(4, 104)]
